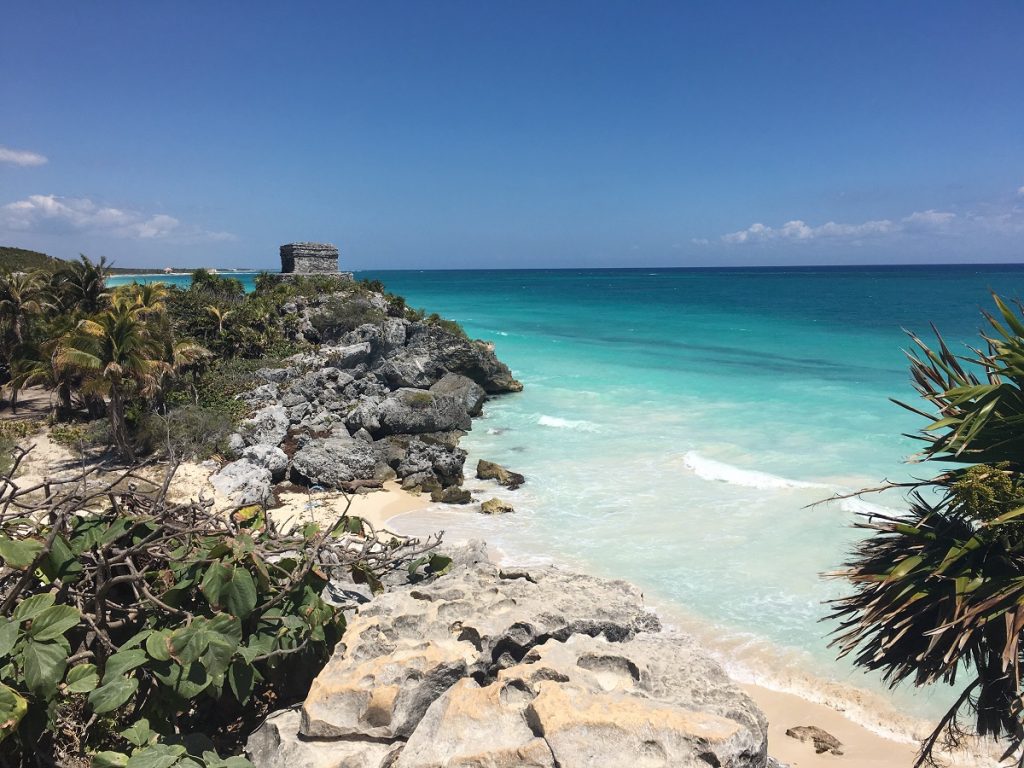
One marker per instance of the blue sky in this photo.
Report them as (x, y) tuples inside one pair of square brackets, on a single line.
[(518, 134)]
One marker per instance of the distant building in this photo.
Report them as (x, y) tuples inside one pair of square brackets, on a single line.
[(309, 259), (168, 270)]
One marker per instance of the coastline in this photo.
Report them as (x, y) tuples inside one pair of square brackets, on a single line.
[(872, 730)]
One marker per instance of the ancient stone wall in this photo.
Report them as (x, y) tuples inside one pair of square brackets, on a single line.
[(309, 259)]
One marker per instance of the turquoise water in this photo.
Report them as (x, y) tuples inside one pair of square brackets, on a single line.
[(676, 424)]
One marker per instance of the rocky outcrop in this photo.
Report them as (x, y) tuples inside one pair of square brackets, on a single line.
[(488, 470), (387, 399), (490, 666), (243, 481)]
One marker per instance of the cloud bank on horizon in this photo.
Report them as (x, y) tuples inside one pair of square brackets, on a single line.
[(1009, 221), (49, 214)]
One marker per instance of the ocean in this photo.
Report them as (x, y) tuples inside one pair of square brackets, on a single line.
[(677, 425)]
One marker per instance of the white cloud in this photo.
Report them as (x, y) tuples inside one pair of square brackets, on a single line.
[(50, 213), (21, 157), (800, 231), (1020, 191)]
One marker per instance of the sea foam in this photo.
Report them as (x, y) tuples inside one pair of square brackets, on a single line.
[(559, 423), (709, 469)]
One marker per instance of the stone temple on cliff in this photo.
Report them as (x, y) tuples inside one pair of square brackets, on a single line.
[(311, 259)]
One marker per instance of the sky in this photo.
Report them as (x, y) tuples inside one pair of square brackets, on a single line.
[(449, 134)]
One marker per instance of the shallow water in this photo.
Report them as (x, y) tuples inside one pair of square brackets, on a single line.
[(676, 424)]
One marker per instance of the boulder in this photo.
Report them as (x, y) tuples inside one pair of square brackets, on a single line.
[(243, 482), (468, 391), (488, 470), (414, 456), (454, 354), (337, 461), (496, 507), (822, 740), (268, 425), (347, 356), (413, 411), (451, 495), (269, 456), (411, 369), (277, 745)]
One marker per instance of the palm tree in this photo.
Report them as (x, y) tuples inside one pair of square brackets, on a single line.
[(119, 357), (220, 315), (939, 590), (23, 296), (82, 285)]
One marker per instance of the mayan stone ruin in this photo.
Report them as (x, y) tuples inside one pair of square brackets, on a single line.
[(311, 259)]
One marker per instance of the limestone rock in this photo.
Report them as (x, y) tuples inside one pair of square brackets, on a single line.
[(488, 667), (496, 507), (473, 726), (269, 456), (451, 495), (488, 470), (822, 740), (473, 359), (268, 425), (243, 482), (346, 356), (383, 697), (276, 744), (337, 462), (468, 391), (414, 411)]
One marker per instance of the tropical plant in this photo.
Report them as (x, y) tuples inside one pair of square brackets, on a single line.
[(119, 358), (220, 315), (82, 285), (23, 297), (135, 631), (939, 590)]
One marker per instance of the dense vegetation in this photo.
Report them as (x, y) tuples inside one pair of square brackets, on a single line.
[(940, 589), (135, 631), (23, 260)]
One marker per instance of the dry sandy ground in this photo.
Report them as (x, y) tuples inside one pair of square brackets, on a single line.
[(861, 746)]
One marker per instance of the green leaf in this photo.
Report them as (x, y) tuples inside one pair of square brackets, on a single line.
[(139, 733), (8, 635), (12, 709), (19, 553), (123, 661), (156, 645), (216, 576), (112, 695), (61, 562), (82, 678), (31, 607), (44, 665), (241, 678), (53, 622), (186, 681), (239, 593), (440, 564), (109, 760), (156, 756)]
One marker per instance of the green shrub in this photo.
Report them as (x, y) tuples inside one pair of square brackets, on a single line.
[(342, 313), (136, 629), (450, 326), (188, 432)]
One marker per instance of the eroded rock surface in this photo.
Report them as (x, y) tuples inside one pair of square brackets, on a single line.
[(492, 667)]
